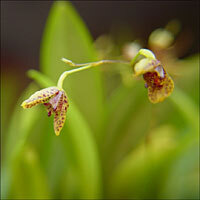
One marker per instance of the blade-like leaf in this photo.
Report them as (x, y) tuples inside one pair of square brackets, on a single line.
[(155, 169), (19, 129), (81, 151), (66, 36), (29, 180), (125, 125)]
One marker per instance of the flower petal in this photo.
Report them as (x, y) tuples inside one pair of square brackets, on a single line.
[(49, 108), (41, 96), (157, 94), (145, 65), (55, 100), (60, 113)]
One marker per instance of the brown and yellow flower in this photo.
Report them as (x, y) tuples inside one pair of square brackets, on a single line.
[(159, 83), (56, 102)]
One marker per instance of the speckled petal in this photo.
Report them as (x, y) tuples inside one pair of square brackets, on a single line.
[(158, 94), (60, 113), (55, 100), (41, 96), (49, 108)]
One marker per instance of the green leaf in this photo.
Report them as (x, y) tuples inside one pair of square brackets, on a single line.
[(10, 87), (156, 168), (21, 124), (49, 147), (182, 179), (66, 36), (125, 125), (19, 129), (43, 80), (82, 151), (188, 77), (187, 107), (29, 180)]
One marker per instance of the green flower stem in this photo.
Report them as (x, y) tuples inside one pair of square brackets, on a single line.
[(72, 64), (83, 67), (145, 52)]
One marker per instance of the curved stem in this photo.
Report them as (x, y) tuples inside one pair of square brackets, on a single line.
[(72, 64), (83, 67), (66, 73), (145, 52)]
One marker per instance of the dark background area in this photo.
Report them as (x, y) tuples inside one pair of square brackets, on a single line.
[(23, 22)]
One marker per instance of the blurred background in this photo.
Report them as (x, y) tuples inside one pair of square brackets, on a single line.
[(22, 26), (114, 25)]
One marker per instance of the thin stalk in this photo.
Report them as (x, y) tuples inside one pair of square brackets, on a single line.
[(83, 67), (145, 52), (72, 64)]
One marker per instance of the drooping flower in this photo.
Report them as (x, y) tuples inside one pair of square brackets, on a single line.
[(159, 83), (56, 102)]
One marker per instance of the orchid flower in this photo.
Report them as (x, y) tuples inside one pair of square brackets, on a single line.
[(56, 102), (159, 84)]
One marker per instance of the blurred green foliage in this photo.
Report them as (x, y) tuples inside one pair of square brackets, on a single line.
[(115, 143)]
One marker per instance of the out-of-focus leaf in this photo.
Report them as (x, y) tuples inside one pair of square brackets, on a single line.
[(125, 125), (69, 185), (21, 124), (82, 155), (29, 180), (188, 77), (9, 91), (43, 80), (187, 108), (79, 141), (182, 179), (66, 36), (51, 153), (20, 127), (149, 169), (134, 176)]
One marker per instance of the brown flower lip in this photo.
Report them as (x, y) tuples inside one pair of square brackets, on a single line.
[(56, 102), (157, 81)]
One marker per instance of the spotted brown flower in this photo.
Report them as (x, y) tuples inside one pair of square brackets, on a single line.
[(55, 101), (159, 83)]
